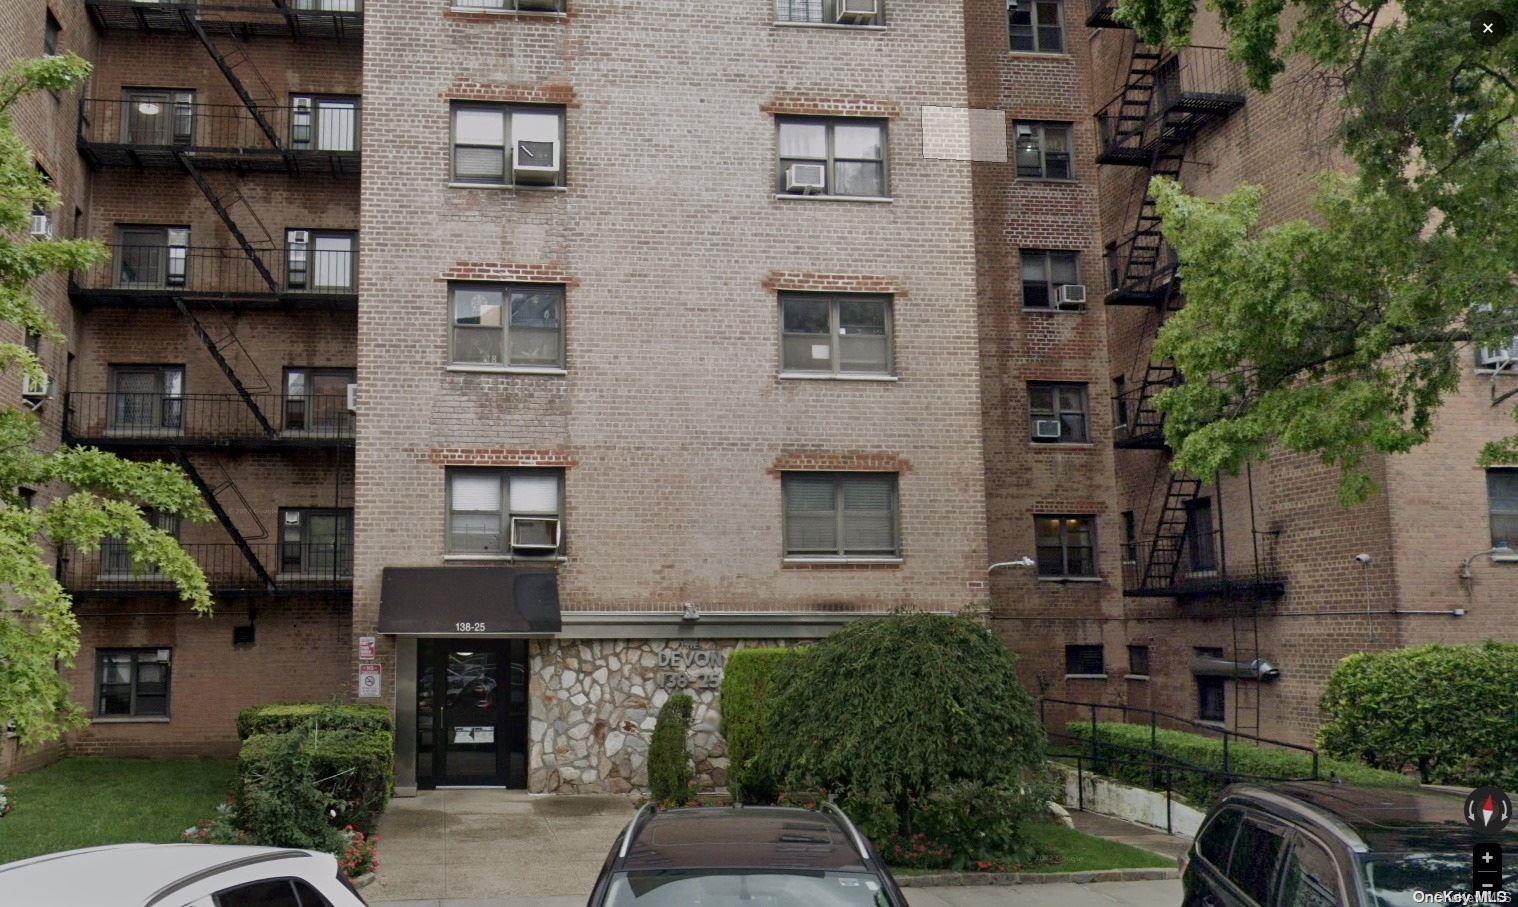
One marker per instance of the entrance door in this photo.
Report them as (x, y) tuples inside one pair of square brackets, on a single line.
[(471, 712)]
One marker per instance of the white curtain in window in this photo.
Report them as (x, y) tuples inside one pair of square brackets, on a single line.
[(476, 492), (535, 494)]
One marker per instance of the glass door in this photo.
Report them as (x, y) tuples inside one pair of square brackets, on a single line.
[(472, 712)]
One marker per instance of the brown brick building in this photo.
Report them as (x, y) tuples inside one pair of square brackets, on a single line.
[(535, 356)]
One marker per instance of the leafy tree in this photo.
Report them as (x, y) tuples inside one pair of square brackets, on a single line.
[(101, 495), (1340, 336)]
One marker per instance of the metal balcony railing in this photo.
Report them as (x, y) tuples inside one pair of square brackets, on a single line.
[(141, 271), (294, 568), (147, 130), (1140, 268), (158, 420), (336, 19), (1183, 91), (1205, 566), (1143, 426)]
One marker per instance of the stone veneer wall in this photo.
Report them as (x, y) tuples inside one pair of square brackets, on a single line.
[(594, 704)]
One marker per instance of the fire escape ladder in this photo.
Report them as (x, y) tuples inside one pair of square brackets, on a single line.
[(212, 496), (1146, 256), (1146, 420), (1246, 693), (1169, 544), (240, 73), (1138, 96), (215, 348), (223, 203)]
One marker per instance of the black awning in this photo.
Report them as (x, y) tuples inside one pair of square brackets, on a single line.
[(427, 601)]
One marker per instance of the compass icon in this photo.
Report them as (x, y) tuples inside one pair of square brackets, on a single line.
[(1488, 809)]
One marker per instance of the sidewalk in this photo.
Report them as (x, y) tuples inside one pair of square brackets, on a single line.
[(1140, 836)]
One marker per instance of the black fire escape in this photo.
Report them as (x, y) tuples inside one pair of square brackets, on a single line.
[(215, 145)]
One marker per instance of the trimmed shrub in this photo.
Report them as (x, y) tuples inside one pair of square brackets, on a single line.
[(278, 802), (351, 768), (277, 719), (1205, 752), (971, 821), (745, 694), (1444, 711), (669, 764), (896, 708)]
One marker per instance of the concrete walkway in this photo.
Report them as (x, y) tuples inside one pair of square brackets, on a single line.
[(1140, 836)]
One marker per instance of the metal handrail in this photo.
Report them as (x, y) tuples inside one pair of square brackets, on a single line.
[(1196, 578), (172, 269), (1192, 57), (109, 416), (1155, 714), (198, 126)]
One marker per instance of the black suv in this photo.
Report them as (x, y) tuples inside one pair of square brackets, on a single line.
[(743, 856), (1317, 844)]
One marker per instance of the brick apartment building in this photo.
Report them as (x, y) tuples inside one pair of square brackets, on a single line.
[(533, 358)]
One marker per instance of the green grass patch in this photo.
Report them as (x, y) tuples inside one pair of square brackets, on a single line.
[(1076, 852), (85, 802)]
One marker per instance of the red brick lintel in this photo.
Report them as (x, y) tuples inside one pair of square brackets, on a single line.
[(826, 461), (507, 272), (501, 456), (830, 106), (809, 282), (511, 93)]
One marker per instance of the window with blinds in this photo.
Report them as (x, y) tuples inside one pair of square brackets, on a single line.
[(484, 503), (828, 12), (1084, 661), (495, 144), (1502, 505), (840, 515)]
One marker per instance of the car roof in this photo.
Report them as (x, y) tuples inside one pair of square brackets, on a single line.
[(130, 875), (1375, 818), (752, 837)]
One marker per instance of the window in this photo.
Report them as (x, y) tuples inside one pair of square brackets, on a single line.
[(1057, 412), (271, 893), (152, 258), (323, 123), (30, 388), (1215, 843), (1043, 274), (505, 511), (835, 334), (315, 541), (51, 31), (1311, 879), (1502, 504), (157, 116), (1066, 546), (1253, 864), (1200, 548), (505, 146), (1042, 150), (840, 514), (116, 560), (1138, 661), (833, 157), (131, 683), (512, 6), (1084, 661), (1119, 401), (831, 12), (146, 399), (316, 400), (1036, 26), (1211, 695), (512, 325), (1130, 538), (320, 261), (1497, 357)]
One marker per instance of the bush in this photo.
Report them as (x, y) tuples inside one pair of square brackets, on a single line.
[(278, 802), (277, 719), (1438, 709), (352, 768), (1207, 753), (971, 821), (745, 691), (669, 765), (893, 709)]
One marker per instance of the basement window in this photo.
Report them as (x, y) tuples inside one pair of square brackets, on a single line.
[(1084, 661)]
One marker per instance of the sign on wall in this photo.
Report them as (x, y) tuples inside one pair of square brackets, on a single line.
[(690, 665), (368, 681), (366, 648)]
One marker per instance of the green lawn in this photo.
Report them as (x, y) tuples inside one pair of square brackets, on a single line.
[(1078, 852), (87, 801)]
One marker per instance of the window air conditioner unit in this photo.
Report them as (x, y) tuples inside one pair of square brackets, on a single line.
[(857, 10), (298, 241), (42, 226), (1046, 428), (805, 178), (352, 398), (533, 533), (535, 161), (1071, 296), (34, 393)]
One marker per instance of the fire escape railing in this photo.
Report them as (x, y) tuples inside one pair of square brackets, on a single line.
[(218, 128), (290, 568), (138, 270), (1198, 564), (170, 420)]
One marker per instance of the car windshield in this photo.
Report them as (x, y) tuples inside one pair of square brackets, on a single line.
[(1397, 879), (668, 888)]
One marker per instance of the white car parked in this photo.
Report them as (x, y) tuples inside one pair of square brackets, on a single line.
[(177, 875)]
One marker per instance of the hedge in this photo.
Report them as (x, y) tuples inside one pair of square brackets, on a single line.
[(669, 765), (1207, 753), (745, 690), (353, 766), (277, 719), (1444, 711)]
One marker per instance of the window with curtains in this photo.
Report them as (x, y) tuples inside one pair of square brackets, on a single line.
[(847, 334), (1042, 150), (500, 145), (840, 514), (515, 512), (131, 683), (1066, 546), (850, 153), (512, 325), (1502, 506)]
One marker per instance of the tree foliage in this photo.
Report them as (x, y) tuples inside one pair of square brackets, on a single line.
[(100, 496), (670, 776), (1342, 334)]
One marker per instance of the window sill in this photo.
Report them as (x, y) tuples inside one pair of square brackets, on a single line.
[(129, 719), (1054, 180), (844, 26), (1085, 676), (508, 13), (511, 187), (1051, 310), (1040, 54), (819, 376), (508, 370), (1062, 445), (1144, 677), (843, 561), (869, 199), (1069, 579), (503, 558)]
